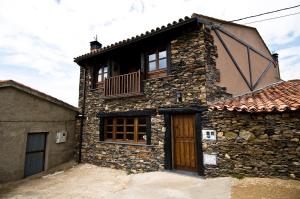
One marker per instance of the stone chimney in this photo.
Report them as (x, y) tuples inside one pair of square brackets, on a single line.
[(275, 58), (95, 45)]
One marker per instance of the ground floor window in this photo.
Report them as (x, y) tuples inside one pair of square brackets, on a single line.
[(125, 129)]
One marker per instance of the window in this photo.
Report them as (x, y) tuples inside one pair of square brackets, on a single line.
[(102, 73), (128, 129), (157, 60)]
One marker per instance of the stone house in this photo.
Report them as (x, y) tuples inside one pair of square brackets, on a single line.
[(37, 131), (258, 132), (146, 100)]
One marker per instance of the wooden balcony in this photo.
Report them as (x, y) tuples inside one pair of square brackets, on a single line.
[(123, 85)]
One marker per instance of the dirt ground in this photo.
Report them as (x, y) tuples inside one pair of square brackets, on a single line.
[(89, 181), (265, 188)]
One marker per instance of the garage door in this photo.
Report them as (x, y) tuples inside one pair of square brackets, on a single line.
[(35, 153)]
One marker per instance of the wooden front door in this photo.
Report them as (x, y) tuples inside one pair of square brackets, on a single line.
[(184, 147)]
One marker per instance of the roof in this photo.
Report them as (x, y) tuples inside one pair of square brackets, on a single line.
[(33, 92), (209, 20), (195, 18), (147, 34), (278, 97)]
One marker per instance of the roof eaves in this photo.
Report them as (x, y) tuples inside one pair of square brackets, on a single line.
[(208, 20), (137, 38)]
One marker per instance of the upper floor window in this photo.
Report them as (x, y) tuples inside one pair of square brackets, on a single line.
[(102, 73), (157, 60)]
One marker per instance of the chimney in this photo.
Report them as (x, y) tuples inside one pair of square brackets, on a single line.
[(275, 58), (95, 45)]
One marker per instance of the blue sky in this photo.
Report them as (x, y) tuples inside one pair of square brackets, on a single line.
[(39, 39)]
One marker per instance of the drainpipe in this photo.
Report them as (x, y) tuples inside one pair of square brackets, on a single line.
[(82, 116)]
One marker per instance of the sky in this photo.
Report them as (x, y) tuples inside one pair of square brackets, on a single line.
[(39, 39)]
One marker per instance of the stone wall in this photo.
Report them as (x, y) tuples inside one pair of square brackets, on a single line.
[(261, 144), (187, 75)]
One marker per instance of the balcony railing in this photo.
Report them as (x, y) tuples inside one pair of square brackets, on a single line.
[(123, 85)]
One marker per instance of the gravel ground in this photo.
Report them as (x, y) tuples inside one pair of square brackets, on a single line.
[(89, 181), (265, 188)]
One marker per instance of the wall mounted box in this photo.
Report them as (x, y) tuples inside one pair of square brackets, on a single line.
[(61, 137), (208, 134), (210, 159)]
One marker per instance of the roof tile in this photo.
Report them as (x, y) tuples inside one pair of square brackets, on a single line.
[(280, 97)]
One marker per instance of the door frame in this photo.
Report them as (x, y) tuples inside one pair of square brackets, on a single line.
[(44, 150), (168, 144)]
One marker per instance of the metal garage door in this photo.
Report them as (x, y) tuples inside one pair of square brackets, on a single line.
[(35, 153)]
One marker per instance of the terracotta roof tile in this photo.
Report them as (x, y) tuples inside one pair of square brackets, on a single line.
[(280, 97)]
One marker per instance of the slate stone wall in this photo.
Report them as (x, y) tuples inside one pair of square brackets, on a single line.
[(261, 144), (187, 75)]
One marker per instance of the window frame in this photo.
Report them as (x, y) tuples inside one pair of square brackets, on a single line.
[(101, 72), (114, 124), (157, 59)]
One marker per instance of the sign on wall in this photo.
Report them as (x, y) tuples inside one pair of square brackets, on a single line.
[(61, 137), (210, 159)]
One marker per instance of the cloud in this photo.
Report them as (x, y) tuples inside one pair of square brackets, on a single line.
[(137, 6), (38, 39), (290, 63)]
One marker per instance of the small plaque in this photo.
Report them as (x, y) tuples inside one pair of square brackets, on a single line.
[(209, 134), (210, 159)]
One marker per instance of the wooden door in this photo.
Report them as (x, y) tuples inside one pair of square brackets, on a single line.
[(184, 147)]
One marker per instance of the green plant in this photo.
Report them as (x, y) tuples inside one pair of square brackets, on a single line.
[(129, 172), (238, 176)]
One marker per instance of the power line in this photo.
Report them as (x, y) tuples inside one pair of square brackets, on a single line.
[(296, 13), (265, 13)]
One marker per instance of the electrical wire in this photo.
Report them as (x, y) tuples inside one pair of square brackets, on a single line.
[(265, 13), (268, 19)]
